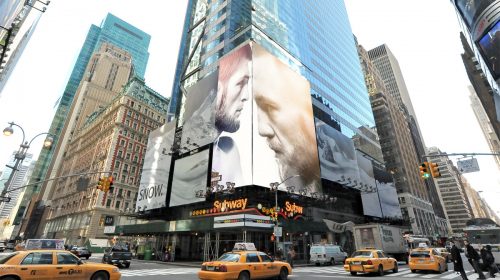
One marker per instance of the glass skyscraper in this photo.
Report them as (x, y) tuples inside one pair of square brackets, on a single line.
[(314, 39), (114, 31)]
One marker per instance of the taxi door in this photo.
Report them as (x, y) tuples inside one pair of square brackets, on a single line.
[(270, 268), (254, 265), (384, 260), (68, 268), (37, 265)]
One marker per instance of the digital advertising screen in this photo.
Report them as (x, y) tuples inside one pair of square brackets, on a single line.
[(190, 176), (490, 49), (232, 150), (471, 9), (199, 115), (369, 195), (284, 138), (337, 155), (387, 194), (156, 169)]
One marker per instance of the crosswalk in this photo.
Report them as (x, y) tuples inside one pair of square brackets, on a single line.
[(161, 271), (403, 273)]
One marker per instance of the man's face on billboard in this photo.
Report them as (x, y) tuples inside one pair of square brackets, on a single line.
[(285, 116), (233, 89)]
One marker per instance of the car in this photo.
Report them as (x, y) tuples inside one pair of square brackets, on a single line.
[(53, 264), (370, 260), (3, 246), (445, 253), (428, 259), (327, 254), (244, 265), (81, 252), (119, 255), (10, 246)]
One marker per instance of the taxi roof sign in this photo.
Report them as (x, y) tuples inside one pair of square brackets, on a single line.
[(244, 246)]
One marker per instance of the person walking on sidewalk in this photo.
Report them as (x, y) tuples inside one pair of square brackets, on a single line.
[(489, 260), (458, 265), (474, 258), (290, 256)]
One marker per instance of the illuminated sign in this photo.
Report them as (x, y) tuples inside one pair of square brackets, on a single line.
[(222, 206), (293, 208)]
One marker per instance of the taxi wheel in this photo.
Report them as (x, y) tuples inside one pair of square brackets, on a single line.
[(380, 270), (100, 275), (395, 269), (244, 276), (332, 261), (283, 274), (413, 271), (9, 278), (354, 273)]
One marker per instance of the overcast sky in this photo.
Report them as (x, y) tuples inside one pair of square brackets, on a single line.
[(423, 35)]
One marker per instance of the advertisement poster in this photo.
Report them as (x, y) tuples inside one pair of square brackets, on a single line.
[(199, 117), (337, 155), (387, 194), (367, 185), (285, 149), (156, 169), (190, 176), (232, 151)]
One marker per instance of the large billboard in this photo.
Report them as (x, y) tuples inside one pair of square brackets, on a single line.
[(337, 155), (198, 129), (156, 169), (490, 49), (190, 177), (472, 9), (284, 138), (387, 194), (232, 150), (367, 185)]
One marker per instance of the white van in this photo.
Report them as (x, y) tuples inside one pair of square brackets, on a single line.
[(327, 254)]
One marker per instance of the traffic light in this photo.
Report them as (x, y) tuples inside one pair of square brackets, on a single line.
[(110, 184), (434, 170), (100, 184), (424, 170)]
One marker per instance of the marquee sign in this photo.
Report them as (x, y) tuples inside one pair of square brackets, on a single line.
[(222, 206), (243, 220)]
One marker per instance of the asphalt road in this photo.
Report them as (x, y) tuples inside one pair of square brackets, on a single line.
[(151, 270)]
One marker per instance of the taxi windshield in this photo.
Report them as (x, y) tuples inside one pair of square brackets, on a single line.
[(362, 254), (229, 257), (4, 259)]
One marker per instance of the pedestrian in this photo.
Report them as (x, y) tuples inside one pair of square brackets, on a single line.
[(458, 265), (290, 256), (474, 258), (489, 260), (279, 254)]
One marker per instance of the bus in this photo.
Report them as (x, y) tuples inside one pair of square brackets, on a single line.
[(481, 232)]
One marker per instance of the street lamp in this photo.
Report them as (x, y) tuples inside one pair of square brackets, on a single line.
[(20, 154)]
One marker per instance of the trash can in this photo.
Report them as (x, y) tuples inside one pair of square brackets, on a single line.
[(148, 254)]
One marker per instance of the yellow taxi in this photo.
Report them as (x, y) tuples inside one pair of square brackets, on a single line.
[(370, 260), (427, 259), (243, 264), (444, 253), (53, 265)]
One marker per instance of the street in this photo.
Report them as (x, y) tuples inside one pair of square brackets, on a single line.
[(153, 270)]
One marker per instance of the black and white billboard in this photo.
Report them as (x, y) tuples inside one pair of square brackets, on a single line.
[(190, 177), (156, 169)]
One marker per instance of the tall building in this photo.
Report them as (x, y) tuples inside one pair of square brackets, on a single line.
[(112, 138), (486, 125), (453, 193), (269, 100), (114, 31), (398, 146), (480, 23)]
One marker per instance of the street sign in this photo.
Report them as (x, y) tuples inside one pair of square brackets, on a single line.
[(468, 165), (278, 231)]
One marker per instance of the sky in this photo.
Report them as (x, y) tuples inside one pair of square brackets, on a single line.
[(423, 35)]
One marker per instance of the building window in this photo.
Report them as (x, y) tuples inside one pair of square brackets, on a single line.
[(108, 203), (117, 205)]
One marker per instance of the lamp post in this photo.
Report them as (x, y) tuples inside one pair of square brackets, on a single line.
[(20, 155), (274, 187)]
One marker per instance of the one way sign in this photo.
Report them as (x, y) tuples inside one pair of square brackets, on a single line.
[(468, 165)]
